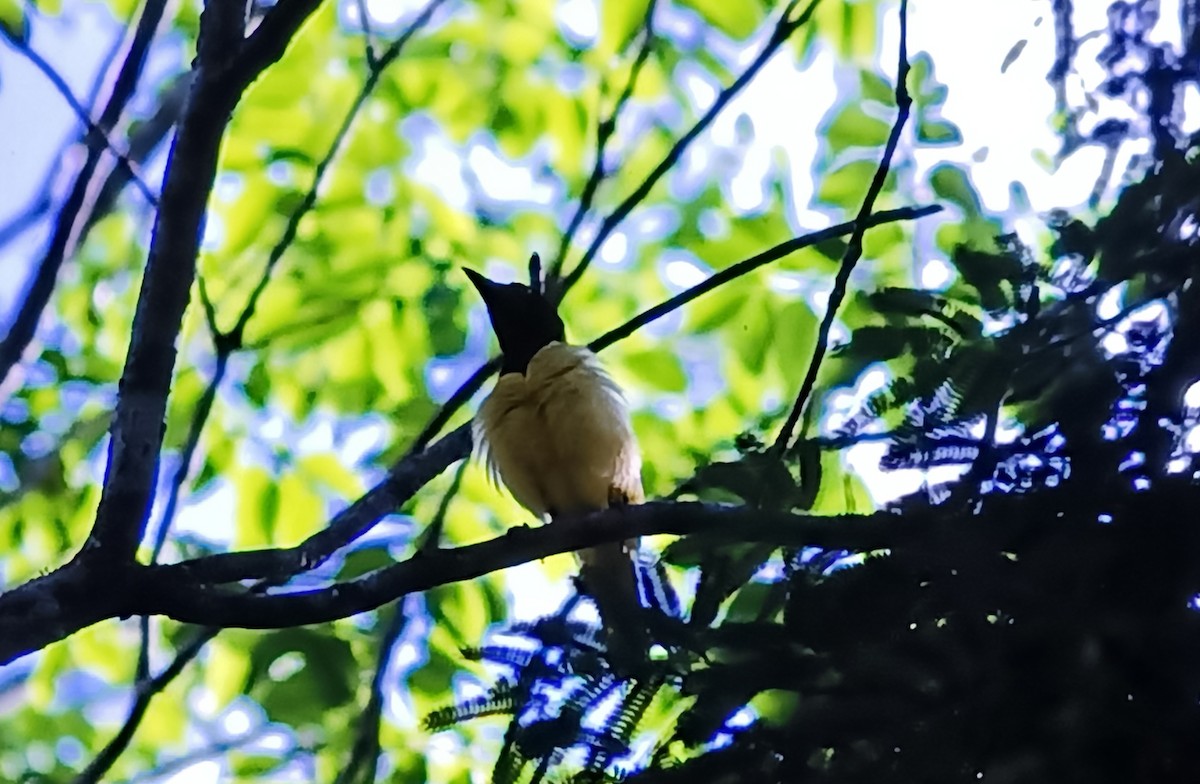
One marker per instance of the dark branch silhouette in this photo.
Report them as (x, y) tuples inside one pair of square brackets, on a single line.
[(136, 435), (31, 615), (605, 128), (310, 198), (854, 247), (782, 32), (726, 275), (144, 693), (76, 211), (179, 590), (366, 749)]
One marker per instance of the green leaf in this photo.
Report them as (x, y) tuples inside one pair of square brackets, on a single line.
[(758, 479), (875, 88), (300, 674), (365, 559), (442, 305), (13, 21), (462, 610), (254, 766), (299, 509), (927, 91), (659, 368), (852, 28), (749, 333), (714, 311), (953, 184), (933, 131), (619, 22), (754, 599), (845, 186), (852, 127), (737, 20), (795, 336), (257, 507)]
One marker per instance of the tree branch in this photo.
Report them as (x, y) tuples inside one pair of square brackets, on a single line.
[(310, 198), (364, 22), (136, 436), (730, 273), (401, 483), (364, 755), (854, 248), (783, 30), (605, 129), (76, 209), (735, 271), (35, 614), (145, 692), (422, 463), (174, 590), (52, 607)]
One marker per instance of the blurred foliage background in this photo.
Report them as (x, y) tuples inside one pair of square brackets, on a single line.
[(397, 142)]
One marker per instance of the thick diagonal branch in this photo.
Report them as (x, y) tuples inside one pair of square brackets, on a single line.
[(221, 75)]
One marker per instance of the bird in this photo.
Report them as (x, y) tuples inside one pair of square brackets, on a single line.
[(556, 431)]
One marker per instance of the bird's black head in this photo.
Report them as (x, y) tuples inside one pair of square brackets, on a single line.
[(523, 319)]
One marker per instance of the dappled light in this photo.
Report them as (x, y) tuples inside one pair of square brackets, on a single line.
[(881, 383)]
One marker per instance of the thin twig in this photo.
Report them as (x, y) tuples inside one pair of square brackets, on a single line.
[(854, 247), (81, 113), (140, 141), (605, 129), (364, 21), (754, 262), (146, 691), (365, 751), (172, 769), (366, 742), (456, 401), (74, 215), (431, 537), (310, 198), (783, 30), (199, 418)]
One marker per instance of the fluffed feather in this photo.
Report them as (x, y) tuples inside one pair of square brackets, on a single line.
[(559, 437)]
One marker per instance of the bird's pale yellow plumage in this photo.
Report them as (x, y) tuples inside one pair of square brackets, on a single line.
[(556, 432), (559, 436)]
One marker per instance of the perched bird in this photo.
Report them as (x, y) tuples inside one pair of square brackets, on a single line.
[(556, 431)]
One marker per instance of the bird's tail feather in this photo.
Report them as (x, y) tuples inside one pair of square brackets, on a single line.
[(610, 578)]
